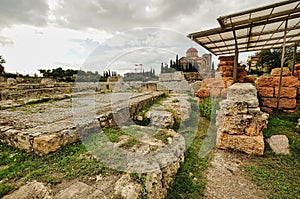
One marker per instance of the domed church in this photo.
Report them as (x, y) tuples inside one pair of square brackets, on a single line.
[(192, 59)]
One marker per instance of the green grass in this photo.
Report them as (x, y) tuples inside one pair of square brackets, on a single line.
[(208, 107), (71, 162), (190, 180), (279, 175), (113, 134), (130, 143)]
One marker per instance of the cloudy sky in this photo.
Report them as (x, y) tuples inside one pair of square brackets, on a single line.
[(38, 34)]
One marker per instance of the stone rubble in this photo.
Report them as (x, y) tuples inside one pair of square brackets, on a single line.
[(240, 121)]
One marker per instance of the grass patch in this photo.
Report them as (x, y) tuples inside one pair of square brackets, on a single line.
[(190, 180), (278, 175), (161, 135), (73, 161), (129, 143), (113, 134), (208, 107)]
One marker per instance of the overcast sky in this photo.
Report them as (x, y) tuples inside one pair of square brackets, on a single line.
[(38, 34)]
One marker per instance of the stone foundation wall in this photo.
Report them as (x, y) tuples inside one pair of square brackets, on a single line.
[(268, 87), (240, 121)]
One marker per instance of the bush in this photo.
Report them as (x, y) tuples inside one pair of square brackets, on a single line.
[(208, 107)]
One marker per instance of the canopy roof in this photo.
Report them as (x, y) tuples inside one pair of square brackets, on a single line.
[(253, 30)]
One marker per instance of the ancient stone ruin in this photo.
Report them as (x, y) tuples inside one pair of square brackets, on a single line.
[(240, 121), (267, 88)]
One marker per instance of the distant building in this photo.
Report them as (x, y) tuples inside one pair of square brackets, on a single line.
[(252, 62), (192, 59)]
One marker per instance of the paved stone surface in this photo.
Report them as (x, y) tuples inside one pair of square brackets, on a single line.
[(45, 127)]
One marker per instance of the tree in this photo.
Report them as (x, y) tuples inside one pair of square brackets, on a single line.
[(2, 61)]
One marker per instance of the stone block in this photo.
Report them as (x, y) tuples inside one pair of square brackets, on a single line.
[(285, 72), (203, 92), (45, 144), (289, 82), (284, 103), (265, 81), (265, 91), (288, 92), (215, 92), (248, 144), (279, 144), (244, 91)]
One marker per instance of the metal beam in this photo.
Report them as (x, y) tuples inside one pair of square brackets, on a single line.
[(294, 58), (236, 57), (281, 69)]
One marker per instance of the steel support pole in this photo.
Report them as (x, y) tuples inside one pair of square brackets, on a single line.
[(281, 69), (294, 58)]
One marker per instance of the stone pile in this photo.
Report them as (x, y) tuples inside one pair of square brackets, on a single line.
[(297, 70), (225, 68), (214, 87), (240, 121), (268, 87)]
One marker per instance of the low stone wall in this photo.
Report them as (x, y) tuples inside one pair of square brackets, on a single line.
[(240, 121), (47, 131), (268, 86)]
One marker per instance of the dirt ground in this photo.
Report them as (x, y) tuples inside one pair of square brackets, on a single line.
[(226, 178)]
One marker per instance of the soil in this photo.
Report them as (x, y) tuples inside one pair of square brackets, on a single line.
[(226, 178)]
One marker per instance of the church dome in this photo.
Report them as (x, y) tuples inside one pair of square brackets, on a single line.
[(192, 50)]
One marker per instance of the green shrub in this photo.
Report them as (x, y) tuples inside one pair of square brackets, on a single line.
[(208, 107)]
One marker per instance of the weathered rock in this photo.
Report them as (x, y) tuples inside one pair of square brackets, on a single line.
[(265, 91), (11, 82), (240, 121), (242, 91), (20, 80), (279, 144), (74, 191), (126, 188), (160, 118), (33, 189), (285, 71), (287, 92), (47, 81), (285, 103), (251, 145), (203, 92)]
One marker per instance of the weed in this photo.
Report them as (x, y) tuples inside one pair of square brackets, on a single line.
[(190, 180), (161, 135), (208, 107), (5, 188), (129, 143), (113, 134)]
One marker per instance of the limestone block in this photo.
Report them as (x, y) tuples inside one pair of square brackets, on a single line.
[(265, 91), (160, 118), (126, 188), (248, 144), (288, 92), (242, 91), (11, 82), (284, 103), (31, 190), (45, 144), (285, 71), (243, 124), (279, 144)]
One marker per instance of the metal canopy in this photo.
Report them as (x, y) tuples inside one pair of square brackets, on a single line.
[(253, 30)]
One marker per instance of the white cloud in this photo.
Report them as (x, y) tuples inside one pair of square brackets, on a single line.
[(47, 33)]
